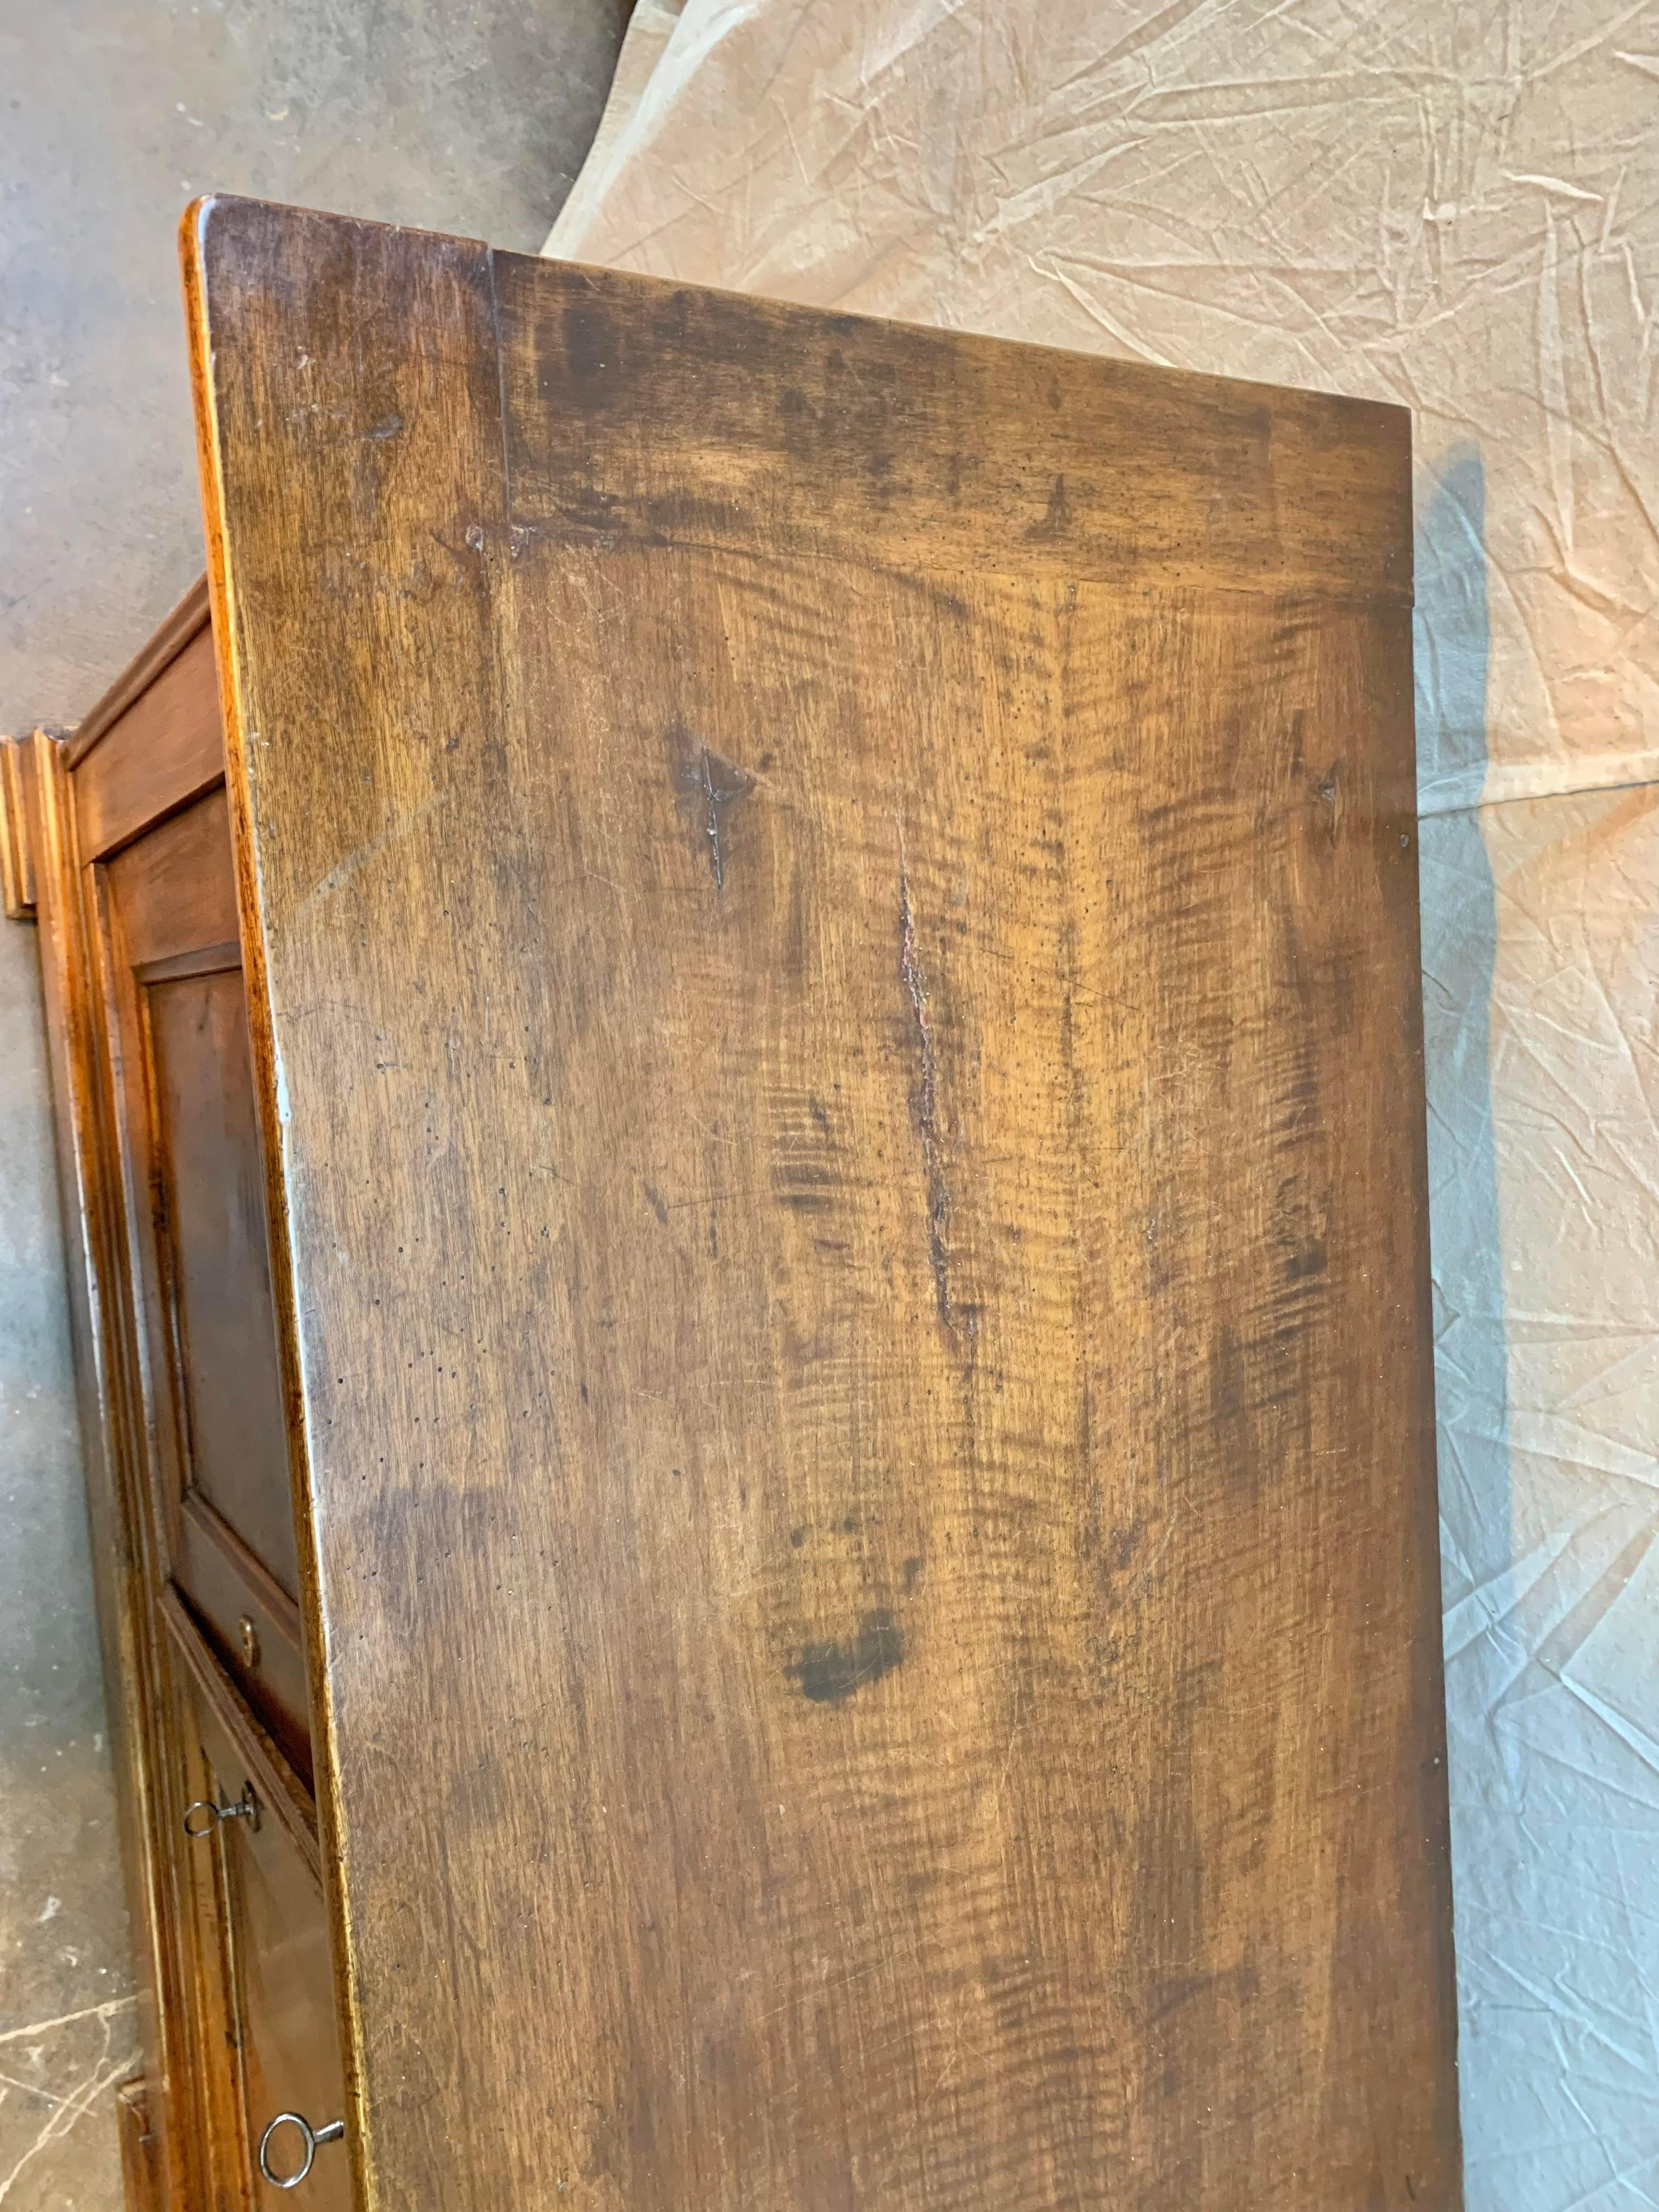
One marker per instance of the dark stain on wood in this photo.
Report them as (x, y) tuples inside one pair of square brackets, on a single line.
[(829, 1673), (1056, 516)]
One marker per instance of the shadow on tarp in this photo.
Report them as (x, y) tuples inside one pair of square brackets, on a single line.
[(1459, 952)]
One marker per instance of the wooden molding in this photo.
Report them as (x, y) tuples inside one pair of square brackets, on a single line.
[(167, 642), (16, 851)]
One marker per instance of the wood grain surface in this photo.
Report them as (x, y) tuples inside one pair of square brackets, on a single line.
[(185, 2108), (184, 1111), (17, 894), (279, 2027), (182, 1419), (283, 1793), (186, 622), (142, 2179), (171, 739), (832, 933)]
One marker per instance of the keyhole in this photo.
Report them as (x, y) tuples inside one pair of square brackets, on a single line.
[(250, 1642)]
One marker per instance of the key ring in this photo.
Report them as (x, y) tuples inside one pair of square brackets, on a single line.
[(246, 1807), (310, 2137)]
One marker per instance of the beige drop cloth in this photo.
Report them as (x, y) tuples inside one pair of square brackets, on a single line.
[(1455, 207)]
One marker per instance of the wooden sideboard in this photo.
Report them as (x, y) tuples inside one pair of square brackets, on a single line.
[(738, 1052)]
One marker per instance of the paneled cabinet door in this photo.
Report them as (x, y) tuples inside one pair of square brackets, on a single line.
[(163, 907), (277, 1981)]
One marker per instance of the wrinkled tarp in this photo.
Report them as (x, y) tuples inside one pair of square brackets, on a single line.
[(1456, 209)]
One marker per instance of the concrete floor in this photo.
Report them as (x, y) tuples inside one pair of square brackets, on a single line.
[(469, 117)]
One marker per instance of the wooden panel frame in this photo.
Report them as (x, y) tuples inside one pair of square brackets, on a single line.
[(162, 648), (149, 750), (186, 2089), (279, 1787), (171, 733), (228, 1752), (186, 2153), (181, 1510)]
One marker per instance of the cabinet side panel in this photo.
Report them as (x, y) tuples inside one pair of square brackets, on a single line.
[(850, 1136)]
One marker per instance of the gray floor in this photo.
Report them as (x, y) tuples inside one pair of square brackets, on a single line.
[(461, 118)]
